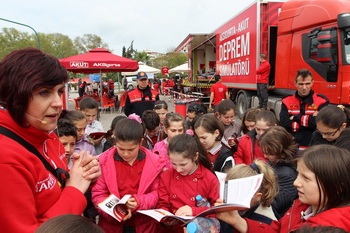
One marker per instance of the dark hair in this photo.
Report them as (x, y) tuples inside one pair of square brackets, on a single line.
[(320, 229), (217, 77), (173, 117), (69, 223), (343, 141), (266, 116), (88, 103), (263, 56), (24, 71), (115, 121), (210, 124), (333, 116), (159, 104), (304, 73), (226, 105), (65, 128), (128, 130), (194, 120), (150, 120), (188, 146), (249, 115), (277, 141), (330, 165), (74, 116), (197, 108)]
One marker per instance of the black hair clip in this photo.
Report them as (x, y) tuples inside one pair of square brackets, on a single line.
[(255, 167)]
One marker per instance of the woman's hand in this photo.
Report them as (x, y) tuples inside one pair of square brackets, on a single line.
[(90, 165), (128, 216), (184, 211), (76, 175), (131, 203)]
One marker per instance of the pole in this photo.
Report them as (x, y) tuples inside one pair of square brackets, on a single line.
[(25, 25)]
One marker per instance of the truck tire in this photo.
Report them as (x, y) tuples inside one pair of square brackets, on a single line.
[(243, 103)]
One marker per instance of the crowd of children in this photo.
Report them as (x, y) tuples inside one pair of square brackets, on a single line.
[(164, 160)]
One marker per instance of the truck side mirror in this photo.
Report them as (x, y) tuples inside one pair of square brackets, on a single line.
[(324, 47)]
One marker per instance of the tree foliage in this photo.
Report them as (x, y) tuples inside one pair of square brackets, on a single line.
[(88, 42), (170, 59)]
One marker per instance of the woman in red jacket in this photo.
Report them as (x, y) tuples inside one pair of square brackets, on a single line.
[(323, 185), (33, 175)]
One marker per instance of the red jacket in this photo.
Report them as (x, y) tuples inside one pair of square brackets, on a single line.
[(292, 220), (147, 195), (245, 153), (263, 72), (29, 194), (176, 190)]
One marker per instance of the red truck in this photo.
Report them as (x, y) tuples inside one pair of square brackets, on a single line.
[(295, 34)]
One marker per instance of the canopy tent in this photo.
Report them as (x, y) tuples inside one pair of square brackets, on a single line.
[(142, 68), (181, 68), (97, 61)]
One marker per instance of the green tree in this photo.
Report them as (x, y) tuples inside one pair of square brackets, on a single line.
[(89, 41), (12, 39), (130, 52), (170, 59), (141, 56), (58, 45)]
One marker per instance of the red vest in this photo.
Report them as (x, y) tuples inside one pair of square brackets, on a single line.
[(293, 105), (136, 96)]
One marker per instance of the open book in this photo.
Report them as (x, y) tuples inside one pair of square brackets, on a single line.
[(115, 207), (236, 193)]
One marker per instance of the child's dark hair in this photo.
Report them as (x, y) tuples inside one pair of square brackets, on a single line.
[(197, 108), (88, 103), (225, 106), (188, 146), (210, 124), (277, 141), (194, 120), (74, 116), (65, 128), (320, 229), (249, 115), (266, 116), (150, 120), (160, 104), (334, 116), (170, 117), (115, 121), (128, 130)]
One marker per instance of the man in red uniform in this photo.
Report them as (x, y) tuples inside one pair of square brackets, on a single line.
[(299, 111), (218, 92), (141, 98), (262, 78)]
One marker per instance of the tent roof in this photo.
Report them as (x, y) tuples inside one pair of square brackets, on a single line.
[(98, 60), (142, 68), (181, 68)]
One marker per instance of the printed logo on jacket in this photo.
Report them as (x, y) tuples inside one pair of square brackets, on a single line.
[(46, 184)]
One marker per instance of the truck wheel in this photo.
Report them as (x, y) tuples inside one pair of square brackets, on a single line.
[(243, 103)]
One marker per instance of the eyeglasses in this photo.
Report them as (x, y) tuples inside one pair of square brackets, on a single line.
[(329, 134)]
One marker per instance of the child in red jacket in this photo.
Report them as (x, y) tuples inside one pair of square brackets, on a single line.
[(323, 185), (190, 176), (128, 168), (248, 147)]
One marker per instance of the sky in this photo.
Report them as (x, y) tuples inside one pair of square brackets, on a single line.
[(158, 25)]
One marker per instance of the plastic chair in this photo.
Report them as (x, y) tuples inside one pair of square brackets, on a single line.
[(107, 103)]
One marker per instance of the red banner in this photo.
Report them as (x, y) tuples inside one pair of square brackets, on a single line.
[(165, 70)]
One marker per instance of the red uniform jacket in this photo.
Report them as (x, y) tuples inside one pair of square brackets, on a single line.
[(29, 194), (263, 72), (176, 190), (292, 220), (248, 149)]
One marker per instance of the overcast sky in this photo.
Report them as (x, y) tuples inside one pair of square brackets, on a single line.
[(157, 25)]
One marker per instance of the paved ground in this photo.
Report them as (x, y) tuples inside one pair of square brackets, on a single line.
[(107, 117)]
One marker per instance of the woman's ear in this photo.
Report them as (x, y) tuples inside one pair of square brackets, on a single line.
[(256, 199), (343, 126), (196, 157)]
